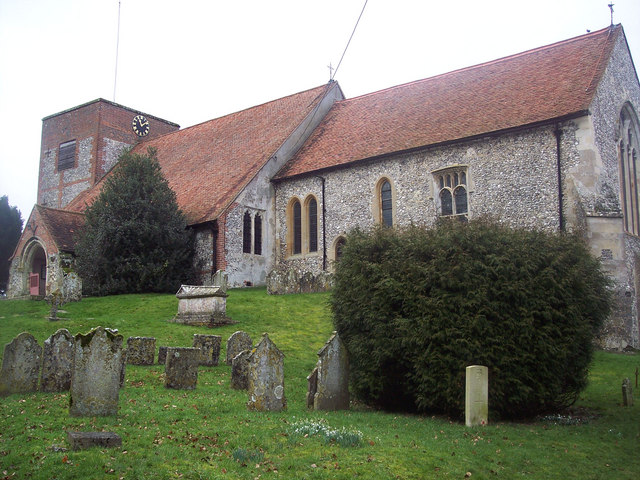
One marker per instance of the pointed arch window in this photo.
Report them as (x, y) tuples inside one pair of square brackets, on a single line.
[(383, 203), (257, 234), (312, 218), (297, 228), (246, 233), (628, 149), (452, 198)]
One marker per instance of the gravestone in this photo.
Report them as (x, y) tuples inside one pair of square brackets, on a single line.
[(240, 370), (312, 388), (84, 440), (329, 390), (181, 368), (57, 362), (266, 377), (236, 343), (162, 355), (97, 371), (476, 407), (20, 365), (209, 346), (627, 393), (141, 350)]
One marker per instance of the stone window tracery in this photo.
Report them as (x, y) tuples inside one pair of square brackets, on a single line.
[(302, 226), (252, 233), (628, 156), (452, 187)]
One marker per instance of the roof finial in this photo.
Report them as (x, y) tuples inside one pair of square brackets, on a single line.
[(331, 69), (611, 8)]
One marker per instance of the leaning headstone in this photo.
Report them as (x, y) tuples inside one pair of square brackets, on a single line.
[(84, 440), (236, 343), (141, 350), (266, 377), (312, 381), (181, 368), (477, 396), (57, 362), (209, 346), (20, 365), (162, 355), (240, 371), (97, 370), (627, 393), (332, 377)]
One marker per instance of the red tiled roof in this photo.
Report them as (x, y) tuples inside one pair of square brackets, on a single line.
[(62, 225), (208, 165), (538, 85)]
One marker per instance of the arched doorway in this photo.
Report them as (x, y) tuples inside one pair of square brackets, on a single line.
[(35, 269)]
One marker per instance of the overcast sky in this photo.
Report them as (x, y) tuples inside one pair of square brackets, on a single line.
[(189, 61)]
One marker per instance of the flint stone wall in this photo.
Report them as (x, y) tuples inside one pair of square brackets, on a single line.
[(95, 383), (57, 363), (20, 365)]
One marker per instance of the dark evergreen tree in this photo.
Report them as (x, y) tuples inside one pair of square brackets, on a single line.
[(10, 230), (416, 307), (135, 238)]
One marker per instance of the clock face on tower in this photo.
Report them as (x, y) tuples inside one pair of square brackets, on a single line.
[(140, 125)]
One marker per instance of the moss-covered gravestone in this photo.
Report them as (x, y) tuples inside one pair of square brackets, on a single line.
[(240, 370), (329, 381), (209, 346), (237, 342), (95, 383), (57, 362), (20, 365), (266, 377), (141, 350), (181, 368)]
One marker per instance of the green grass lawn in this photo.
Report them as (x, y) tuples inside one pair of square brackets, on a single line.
[(208, 432)]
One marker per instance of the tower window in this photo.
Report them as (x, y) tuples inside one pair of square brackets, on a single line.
[(67, 155)]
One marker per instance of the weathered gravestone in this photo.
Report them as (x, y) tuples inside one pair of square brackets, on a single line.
[(57, 362), (209, 346), (266, 377), (97, 370), (181, 368), (329, 381), (84, 440), (240, 370), (162, 355), (237, 342), (20, 365), (476, 407), (141, 350), (627, 393)]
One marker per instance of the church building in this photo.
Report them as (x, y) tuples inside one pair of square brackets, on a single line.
[(545, 139)]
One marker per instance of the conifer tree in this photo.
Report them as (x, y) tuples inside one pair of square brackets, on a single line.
[(10, 230), (135, 237)]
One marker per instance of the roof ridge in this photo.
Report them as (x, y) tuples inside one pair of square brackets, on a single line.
[(40, 206), (616, 27)]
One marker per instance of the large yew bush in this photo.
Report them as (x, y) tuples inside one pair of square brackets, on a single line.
[(135, 237), (415, 307)]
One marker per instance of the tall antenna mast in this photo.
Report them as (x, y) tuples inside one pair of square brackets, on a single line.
[(115, 79)]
